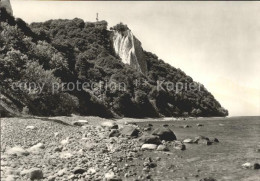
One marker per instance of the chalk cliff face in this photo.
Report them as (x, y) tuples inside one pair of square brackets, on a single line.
[(7, 5), (129, 49)]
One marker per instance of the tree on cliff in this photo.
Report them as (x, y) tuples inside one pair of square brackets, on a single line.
[(55, 52)]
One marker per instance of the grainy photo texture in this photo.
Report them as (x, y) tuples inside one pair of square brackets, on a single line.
[(130, 90)]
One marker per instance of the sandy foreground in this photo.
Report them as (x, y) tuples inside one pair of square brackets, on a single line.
[(57, 148)]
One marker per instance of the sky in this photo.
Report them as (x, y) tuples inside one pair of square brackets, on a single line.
[(216, 43)]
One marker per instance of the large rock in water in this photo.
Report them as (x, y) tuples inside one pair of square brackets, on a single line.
[(164, 133), (7, 5), (130, 50)]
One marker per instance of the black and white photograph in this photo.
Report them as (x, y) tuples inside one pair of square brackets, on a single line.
[(129, 90)]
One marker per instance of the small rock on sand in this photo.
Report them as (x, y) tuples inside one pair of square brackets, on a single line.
[(33, 173), (30, 127), (162, 148), (110, 176), (92, 171), (256, 166), (66, 141), (188, 140), (36, 148), (78, 170), (248, 165), (57, 149), (114, 133), (215, 140), (151, 139), (65, 155), (208, 179), (109, 124), (204, 142), (18, 151), (149, 147), (12, 171), (179, 145), (129, 131), (61, 172), (80, 123), (51, 178), (56, 134), (185, 126), (148, 129), (11, 178)]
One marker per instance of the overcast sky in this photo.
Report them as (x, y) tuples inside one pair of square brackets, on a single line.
[(216, 43)]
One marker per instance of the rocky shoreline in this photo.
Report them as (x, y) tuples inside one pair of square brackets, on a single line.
[(95, 149)]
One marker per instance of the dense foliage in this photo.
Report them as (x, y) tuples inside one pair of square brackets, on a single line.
[(62, 52)]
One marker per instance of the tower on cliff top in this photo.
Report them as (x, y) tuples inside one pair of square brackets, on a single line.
[(97, 17), (7, 5), (100, 24)]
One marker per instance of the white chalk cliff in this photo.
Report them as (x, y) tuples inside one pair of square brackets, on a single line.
[(7, 5), (129, 49)]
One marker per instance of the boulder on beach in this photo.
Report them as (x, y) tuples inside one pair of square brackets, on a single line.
[(148, 129), (188, 140), (162, 148), (254, 166), (215, 140), (17, 151), (114, 133), (149, 147), (33, 173), (148, 138), (201, 137), (179, 145), (109, 124), (164, 133), (130, 131), (78, 170), (36, 148), (204, 142)]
